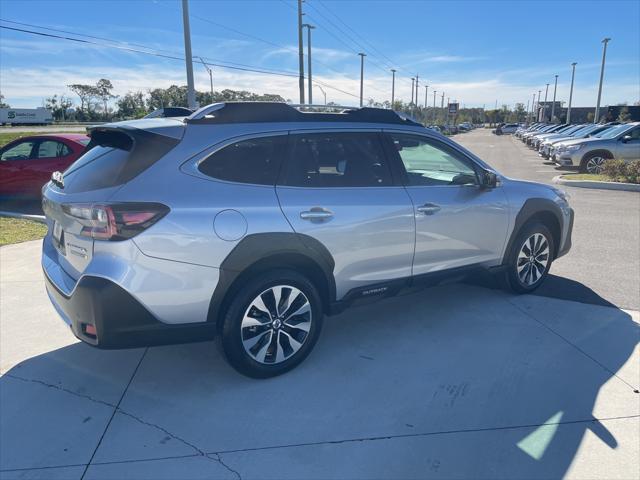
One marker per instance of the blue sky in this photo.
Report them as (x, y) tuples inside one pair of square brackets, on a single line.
[(477, 52)]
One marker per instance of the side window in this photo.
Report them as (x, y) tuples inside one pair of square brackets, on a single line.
[(432, 163), (634, 134), (21, 151), (52, 149), (336, 160), (254, 161)]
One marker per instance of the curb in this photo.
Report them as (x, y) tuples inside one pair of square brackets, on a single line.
[(24, 216), (627, 187)]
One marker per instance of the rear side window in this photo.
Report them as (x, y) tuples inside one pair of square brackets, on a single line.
[(336, 160), (52, 149), (113, 158), (255, 161)]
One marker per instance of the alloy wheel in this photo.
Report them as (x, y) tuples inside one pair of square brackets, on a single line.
[(595, 164), (276, 324), (533, 259)]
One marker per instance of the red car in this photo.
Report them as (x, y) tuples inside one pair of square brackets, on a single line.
[(27, 163)]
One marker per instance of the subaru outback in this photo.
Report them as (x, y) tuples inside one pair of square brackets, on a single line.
[(250, 221)]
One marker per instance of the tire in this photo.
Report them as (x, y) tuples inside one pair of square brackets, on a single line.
[(261, 340), (593, 162), (526, 272)]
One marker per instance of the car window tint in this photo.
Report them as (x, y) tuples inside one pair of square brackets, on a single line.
[(432, 163), (254, 161), (52, 149), (21, 151), (336, 160)]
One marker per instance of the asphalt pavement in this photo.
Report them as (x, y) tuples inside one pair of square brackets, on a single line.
[(603, 266)]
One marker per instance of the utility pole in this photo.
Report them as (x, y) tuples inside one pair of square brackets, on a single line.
[(393, 87), (300, 54), (309, 28), (442, 101), (435, 116), (417, 79), (362, 55), (546, 92), (573, 74), (538, 106), (533, 107), (527, 107), (210, 71), (426, 93), (604, 55), (553, 105), (191, 92), (413, 80)]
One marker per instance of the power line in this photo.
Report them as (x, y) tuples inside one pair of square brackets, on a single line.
[(171, 57)]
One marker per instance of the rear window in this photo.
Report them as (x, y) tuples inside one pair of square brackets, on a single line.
[(113, 158)]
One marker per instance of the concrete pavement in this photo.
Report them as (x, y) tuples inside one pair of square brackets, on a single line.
[(456, 381)]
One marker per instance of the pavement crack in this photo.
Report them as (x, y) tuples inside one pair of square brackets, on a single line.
[(218, 458)]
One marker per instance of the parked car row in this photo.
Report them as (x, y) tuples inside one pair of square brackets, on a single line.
[(452, 129), (587, 146)]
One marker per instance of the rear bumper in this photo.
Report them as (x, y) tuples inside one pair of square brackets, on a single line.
[(119, 320)]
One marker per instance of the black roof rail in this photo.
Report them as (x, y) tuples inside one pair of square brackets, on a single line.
[(259, 112)]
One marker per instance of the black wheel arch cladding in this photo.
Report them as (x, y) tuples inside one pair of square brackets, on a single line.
[(269, 250), (545, 211)]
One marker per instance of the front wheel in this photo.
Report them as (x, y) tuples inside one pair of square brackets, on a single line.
[(272, 324), (530, 258), (594, 162)]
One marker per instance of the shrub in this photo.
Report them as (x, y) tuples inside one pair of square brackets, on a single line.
[(621, 171)]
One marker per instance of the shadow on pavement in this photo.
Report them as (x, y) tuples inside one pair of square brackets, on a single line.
[(453, 381)]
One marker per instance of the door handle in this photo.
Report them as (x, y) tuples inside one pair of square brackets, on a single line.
[(429, 208), (316, 213)]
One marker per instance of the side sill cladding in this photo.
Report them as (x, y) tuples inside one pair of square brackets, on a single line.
[(268, 250), (535, 207)]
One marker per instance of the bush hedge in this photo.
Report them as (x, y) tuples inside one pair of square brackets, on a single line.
[(621, 171)]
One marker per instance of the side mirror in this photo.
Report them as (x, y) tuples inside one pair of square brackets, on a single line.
[(488, 179), (627, 138)]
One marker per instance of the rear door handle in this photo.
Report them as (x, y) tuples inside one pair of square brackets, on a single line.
[(316, 213), (429, 208)]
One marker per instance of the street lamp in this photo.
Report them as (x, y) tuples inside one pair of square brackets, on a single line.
[(393, 87), (604, 55), (210, 72), (362, 55), (323, 93), (546, 93), (573, 74), (553, 105), (309, 28)]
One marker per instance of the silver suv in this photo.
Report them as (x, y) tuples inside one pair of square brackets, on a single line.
[(250, 221), (619, 142)]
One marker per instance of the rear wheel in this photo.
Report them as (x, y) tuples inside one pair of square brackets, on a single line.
[(594, 162), (272, 324), (530, 258)]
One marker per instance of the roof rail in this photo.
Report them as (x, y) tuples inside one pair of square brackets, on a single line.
[(260, 112)]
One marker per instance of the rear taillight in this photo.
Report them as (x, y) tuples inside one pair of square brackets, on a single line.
[(116, 221)]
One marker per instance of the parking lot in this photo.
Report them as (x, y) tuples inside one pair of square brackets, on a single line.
[(457, 381)]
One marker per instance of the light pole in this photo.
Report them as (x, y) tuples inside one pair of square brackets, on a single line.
[(300, 55), (573, 74), (210, 72), (553, 105), (538, 106), (393, 87), (546, 93), (413, 82), (426, 93), (323, 93), (417, 78), (604, 55), (191, 92), (533, 107), (362, 55), (434, 107), (309, 28), (442, 101)]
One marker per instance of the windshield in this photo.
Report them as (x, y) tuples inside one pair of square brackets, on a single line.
[(613, 131)]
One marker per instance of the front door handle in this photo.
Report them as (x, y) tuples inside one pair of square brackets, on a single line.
[(429, 208), (316, 214)]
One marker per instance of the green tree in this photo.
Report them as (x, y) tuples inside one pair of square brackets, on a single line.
[(58, 106), (103, 90), (2, 104), (86, 93), (132, 105), (624, 115)]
